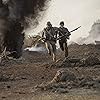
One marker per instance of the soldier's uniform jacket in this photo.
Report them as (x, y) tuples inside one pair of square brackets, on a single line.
[(49, 34), (63, 32)]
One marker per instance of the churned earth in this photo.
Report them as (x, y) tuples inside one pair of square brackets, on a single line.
[(19, 79)]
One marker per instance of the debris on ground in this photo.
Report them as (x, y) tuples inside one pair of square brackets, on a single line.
[(66, 80), (35, 71)]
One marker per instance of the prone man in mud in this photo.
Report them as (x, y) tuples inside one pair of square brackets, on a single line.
[(49, 36)]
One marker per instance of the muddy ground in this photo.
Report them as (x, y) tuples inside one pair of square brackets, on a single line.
[(18, 78)]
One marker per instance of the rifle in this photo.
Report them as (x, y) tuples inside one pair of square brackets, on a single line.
[(67, 36), (48, 36)]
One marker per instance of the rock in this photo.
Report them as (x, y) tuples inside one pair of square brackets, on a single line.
[(8, 87), (61, 90), (97, 66), (97, 83), (3, 97), (90, 61), (65, 63), (64, 75), (59, 85), (86, 82), (4, 77), (74, 60)]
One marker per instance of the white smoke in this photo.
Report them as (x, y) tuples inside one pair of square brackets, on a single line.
[(94, 34), (38, 49)]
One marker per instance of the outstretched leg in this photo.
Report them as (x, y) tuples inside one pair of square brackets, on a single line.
[(48, 47), (66, 49), (61, 45), (54, 51)]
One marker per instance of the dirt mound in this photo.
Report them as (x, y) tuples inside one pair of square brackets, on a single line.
[(64, 75), (82, 51), (37, 70), (6, 78), (65, 80), (90, 61), (65, 63)]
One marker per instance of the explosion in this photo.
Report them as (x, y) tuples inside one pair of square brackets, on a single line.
[(13, 14)]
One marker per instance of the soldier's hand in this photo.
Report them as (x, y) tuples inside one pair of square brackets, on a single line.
[(42, 38), (68, 38)]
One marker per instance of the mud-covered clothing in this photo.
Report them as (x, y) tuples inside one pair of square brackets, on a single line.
[(64, 47), (51, 48), (63, 32), (63, 41), (50, 36)]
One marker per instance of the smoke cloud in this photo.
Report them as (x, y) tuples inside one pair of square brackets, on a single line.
[(13, 20), (94, 34)]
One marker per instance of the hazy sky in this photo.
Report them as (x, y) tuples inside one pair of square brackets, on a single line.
[(74, 13)]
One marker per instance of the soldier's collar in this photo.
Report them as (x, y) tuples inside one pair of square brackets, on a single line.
[(61, 27)]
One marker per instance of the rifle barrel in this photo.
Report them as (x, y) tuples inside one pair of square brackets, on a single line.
[(69, 32), (75, 29)]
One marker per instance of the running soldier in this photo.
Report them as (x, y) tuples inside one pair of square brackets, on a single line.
[(49, 35), (64, 33)]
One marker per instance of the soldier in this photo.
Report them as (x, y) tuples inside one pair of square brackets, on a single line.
[(64, 33), (49, 36)]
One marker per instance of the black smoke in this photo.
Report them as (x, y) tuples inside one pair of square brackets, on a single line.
[(13, 15)]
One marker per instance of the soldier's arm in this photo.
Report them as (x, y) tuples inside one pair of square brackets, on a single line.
[(67, 32), (60, 33), (56, 32), (56, 35), (42, 34)]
